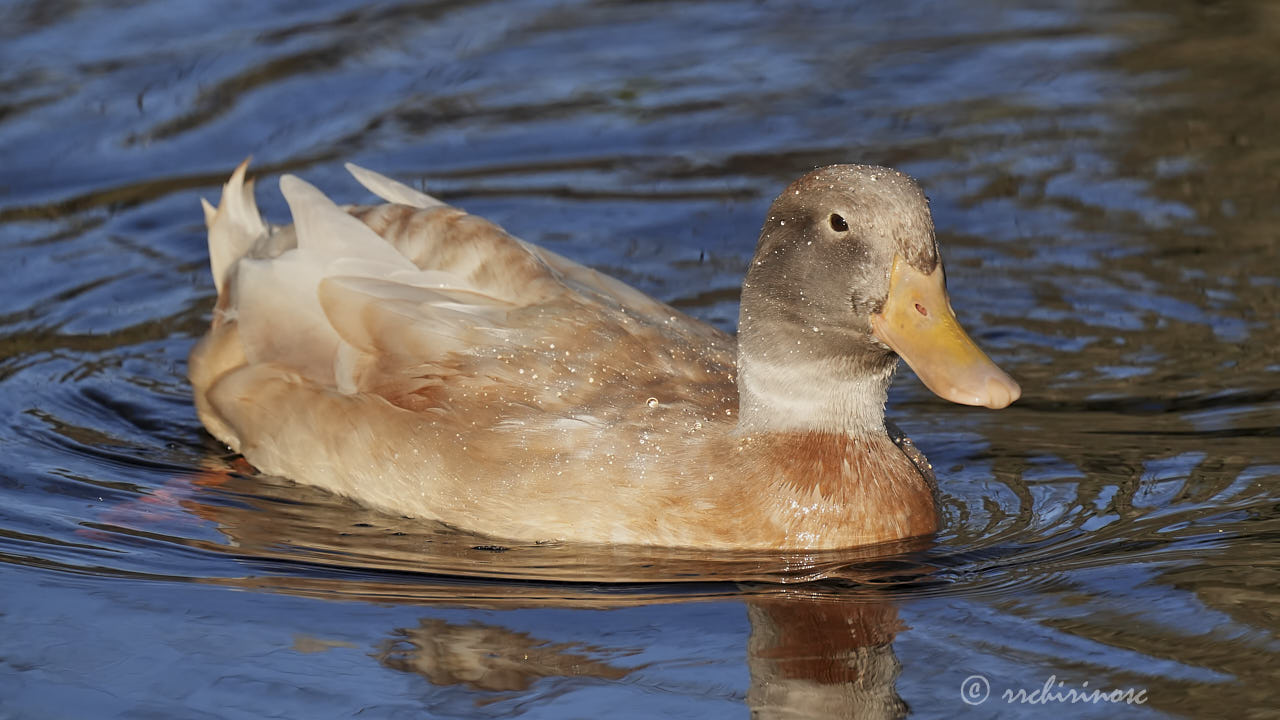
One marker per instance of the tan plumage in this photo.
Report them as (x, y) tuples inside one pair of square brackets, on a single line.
[(424, 362)]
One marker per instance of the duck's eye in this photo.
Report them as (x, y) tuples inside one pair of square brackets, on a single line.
[(838, 224)]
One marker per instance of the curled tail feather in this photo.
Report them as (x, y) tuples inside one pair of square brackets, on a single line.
[(391, 190), (234, 226)]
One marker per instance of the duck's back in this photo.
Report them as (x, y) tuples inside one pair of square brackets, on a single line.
[(400, 351)]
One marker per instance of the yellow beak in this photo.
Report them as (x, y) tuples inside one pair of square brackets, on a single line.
[(918, 323)]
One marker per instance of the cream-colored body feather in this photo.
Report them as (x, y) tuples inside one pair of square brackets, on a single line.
[(424, 362)]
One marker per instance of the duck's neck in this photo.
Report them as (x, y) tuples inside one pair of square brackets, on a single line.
[(799, 370), (811, 395)]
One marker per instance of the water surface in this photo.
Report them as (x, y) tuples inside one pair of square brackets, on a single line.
[(1103, 176)]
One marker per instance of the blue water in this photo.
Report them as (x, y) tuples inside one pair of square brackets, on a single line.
[(1103, 179)]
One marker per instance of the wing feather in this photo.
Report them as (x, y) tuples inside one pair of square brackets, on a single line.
[(391, 190)]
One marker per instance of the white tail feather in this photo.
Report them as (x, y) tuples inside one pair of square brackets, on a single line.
[(210, 213), (328, 234), (344, 300), (234, 226), (279, 315), (391, 190)]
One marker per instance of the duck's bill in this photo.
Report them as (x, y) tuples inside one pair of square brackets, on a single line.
[(918, 323)]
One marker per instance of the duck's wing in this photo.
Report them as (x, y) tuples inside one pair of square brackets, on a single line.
[(435, 309), (436, 236)]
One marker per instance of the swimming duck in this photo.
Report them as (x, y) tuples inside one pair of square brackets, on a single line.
[(424, 362)]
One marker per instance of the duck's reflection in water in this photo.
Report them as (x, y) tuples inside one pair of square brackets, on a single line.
[(488, 657), (817, 650), (823, 659), (808, 658)]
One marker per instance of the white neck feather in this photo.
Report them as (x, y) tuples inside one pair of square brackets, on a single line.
[(809, 396)]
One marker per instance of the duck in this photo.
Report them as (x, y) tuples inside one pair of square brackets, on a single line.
[(424, 362)]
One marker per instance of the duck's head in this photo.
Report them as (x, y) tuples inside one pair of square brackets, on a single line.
[(846, 279)]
